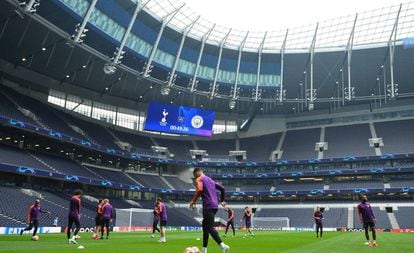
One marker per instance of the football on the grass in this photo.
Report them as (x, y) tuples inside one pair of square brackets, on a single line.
[(191, 250), (35, 238)]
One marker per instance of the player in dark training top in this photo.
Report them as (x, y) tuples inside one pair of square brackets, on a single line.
[(162, 213), (106, 218), (74, 215), (318, 217), (367, 219), (33, 218), (155, 221), (207, 190), (98, 220), (247, 217), (230, 221)]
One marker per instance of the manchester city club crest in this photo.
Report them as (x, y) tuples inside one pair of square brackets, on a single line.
[(197, 121)]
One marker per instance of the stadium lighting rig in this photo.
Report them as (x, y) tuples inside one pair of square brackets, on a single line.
[(80, 33), (165, 91), (192, 86), (257, 94), (311, 97), (281, 95), (235, 92), (392, 91), (349, 93), (213, 90), (166, 88), (110, 67), (28, 7)]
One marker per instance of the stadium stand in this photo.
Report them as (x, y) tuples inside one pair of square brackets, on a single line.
[(9, 109), (217, 147), (112, 175), (15, 156), (180, 149), (66, 166), (366, 184), (149, 180), (349, 140), (47, 115), (299, 186), (404, 217), (402, 183), (141, 144), (300, 144), (95, 132), (268, 143), (177, 183), (398, 136)]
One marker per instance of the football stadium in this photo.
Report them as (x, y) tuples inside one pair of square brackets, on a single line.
[(152, 126)]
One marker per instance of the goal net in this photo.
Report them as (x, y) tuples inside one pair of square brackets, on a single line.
[(271, 222), (133, 217)]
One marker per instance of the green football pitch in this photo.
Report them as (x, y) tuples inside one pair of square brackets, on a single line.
[(263, 242)]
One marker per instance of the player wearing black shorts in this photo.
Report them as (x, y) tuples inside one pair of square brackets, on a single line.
[(367, 218), (230, 221), (98, 220)]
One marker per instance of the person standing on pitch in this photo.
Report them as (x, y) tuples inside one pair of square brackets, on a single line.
[(230, 221), (56, 221), (106, 218), (74, 215), (98, 220), (33, 218), (155, 221), (207, 189), (162, 212), (367, 219), (318, 217), (248, 219)]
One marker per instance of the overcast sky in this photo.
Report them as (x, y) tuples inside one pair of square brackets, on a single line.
[(279, 14)]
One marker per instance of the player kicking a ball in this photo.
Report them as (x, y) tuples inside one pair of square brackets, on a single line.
[(98, 220), (247, 217), (207, 189), (162, 212), (74, 216), (367, 218), (318, 217), (33, 218)]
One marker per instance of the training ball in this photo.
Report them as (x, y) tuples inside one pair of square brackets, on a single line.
[(81, 247), (35, 238), (198, 239), (192, 250)]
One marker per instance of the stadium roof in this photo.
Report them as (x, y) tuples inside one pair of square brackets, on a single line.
[(372, 28)]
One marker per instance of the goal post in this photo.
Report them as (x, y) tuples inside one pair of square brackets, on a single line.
[(271, 222), (133, 217)]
